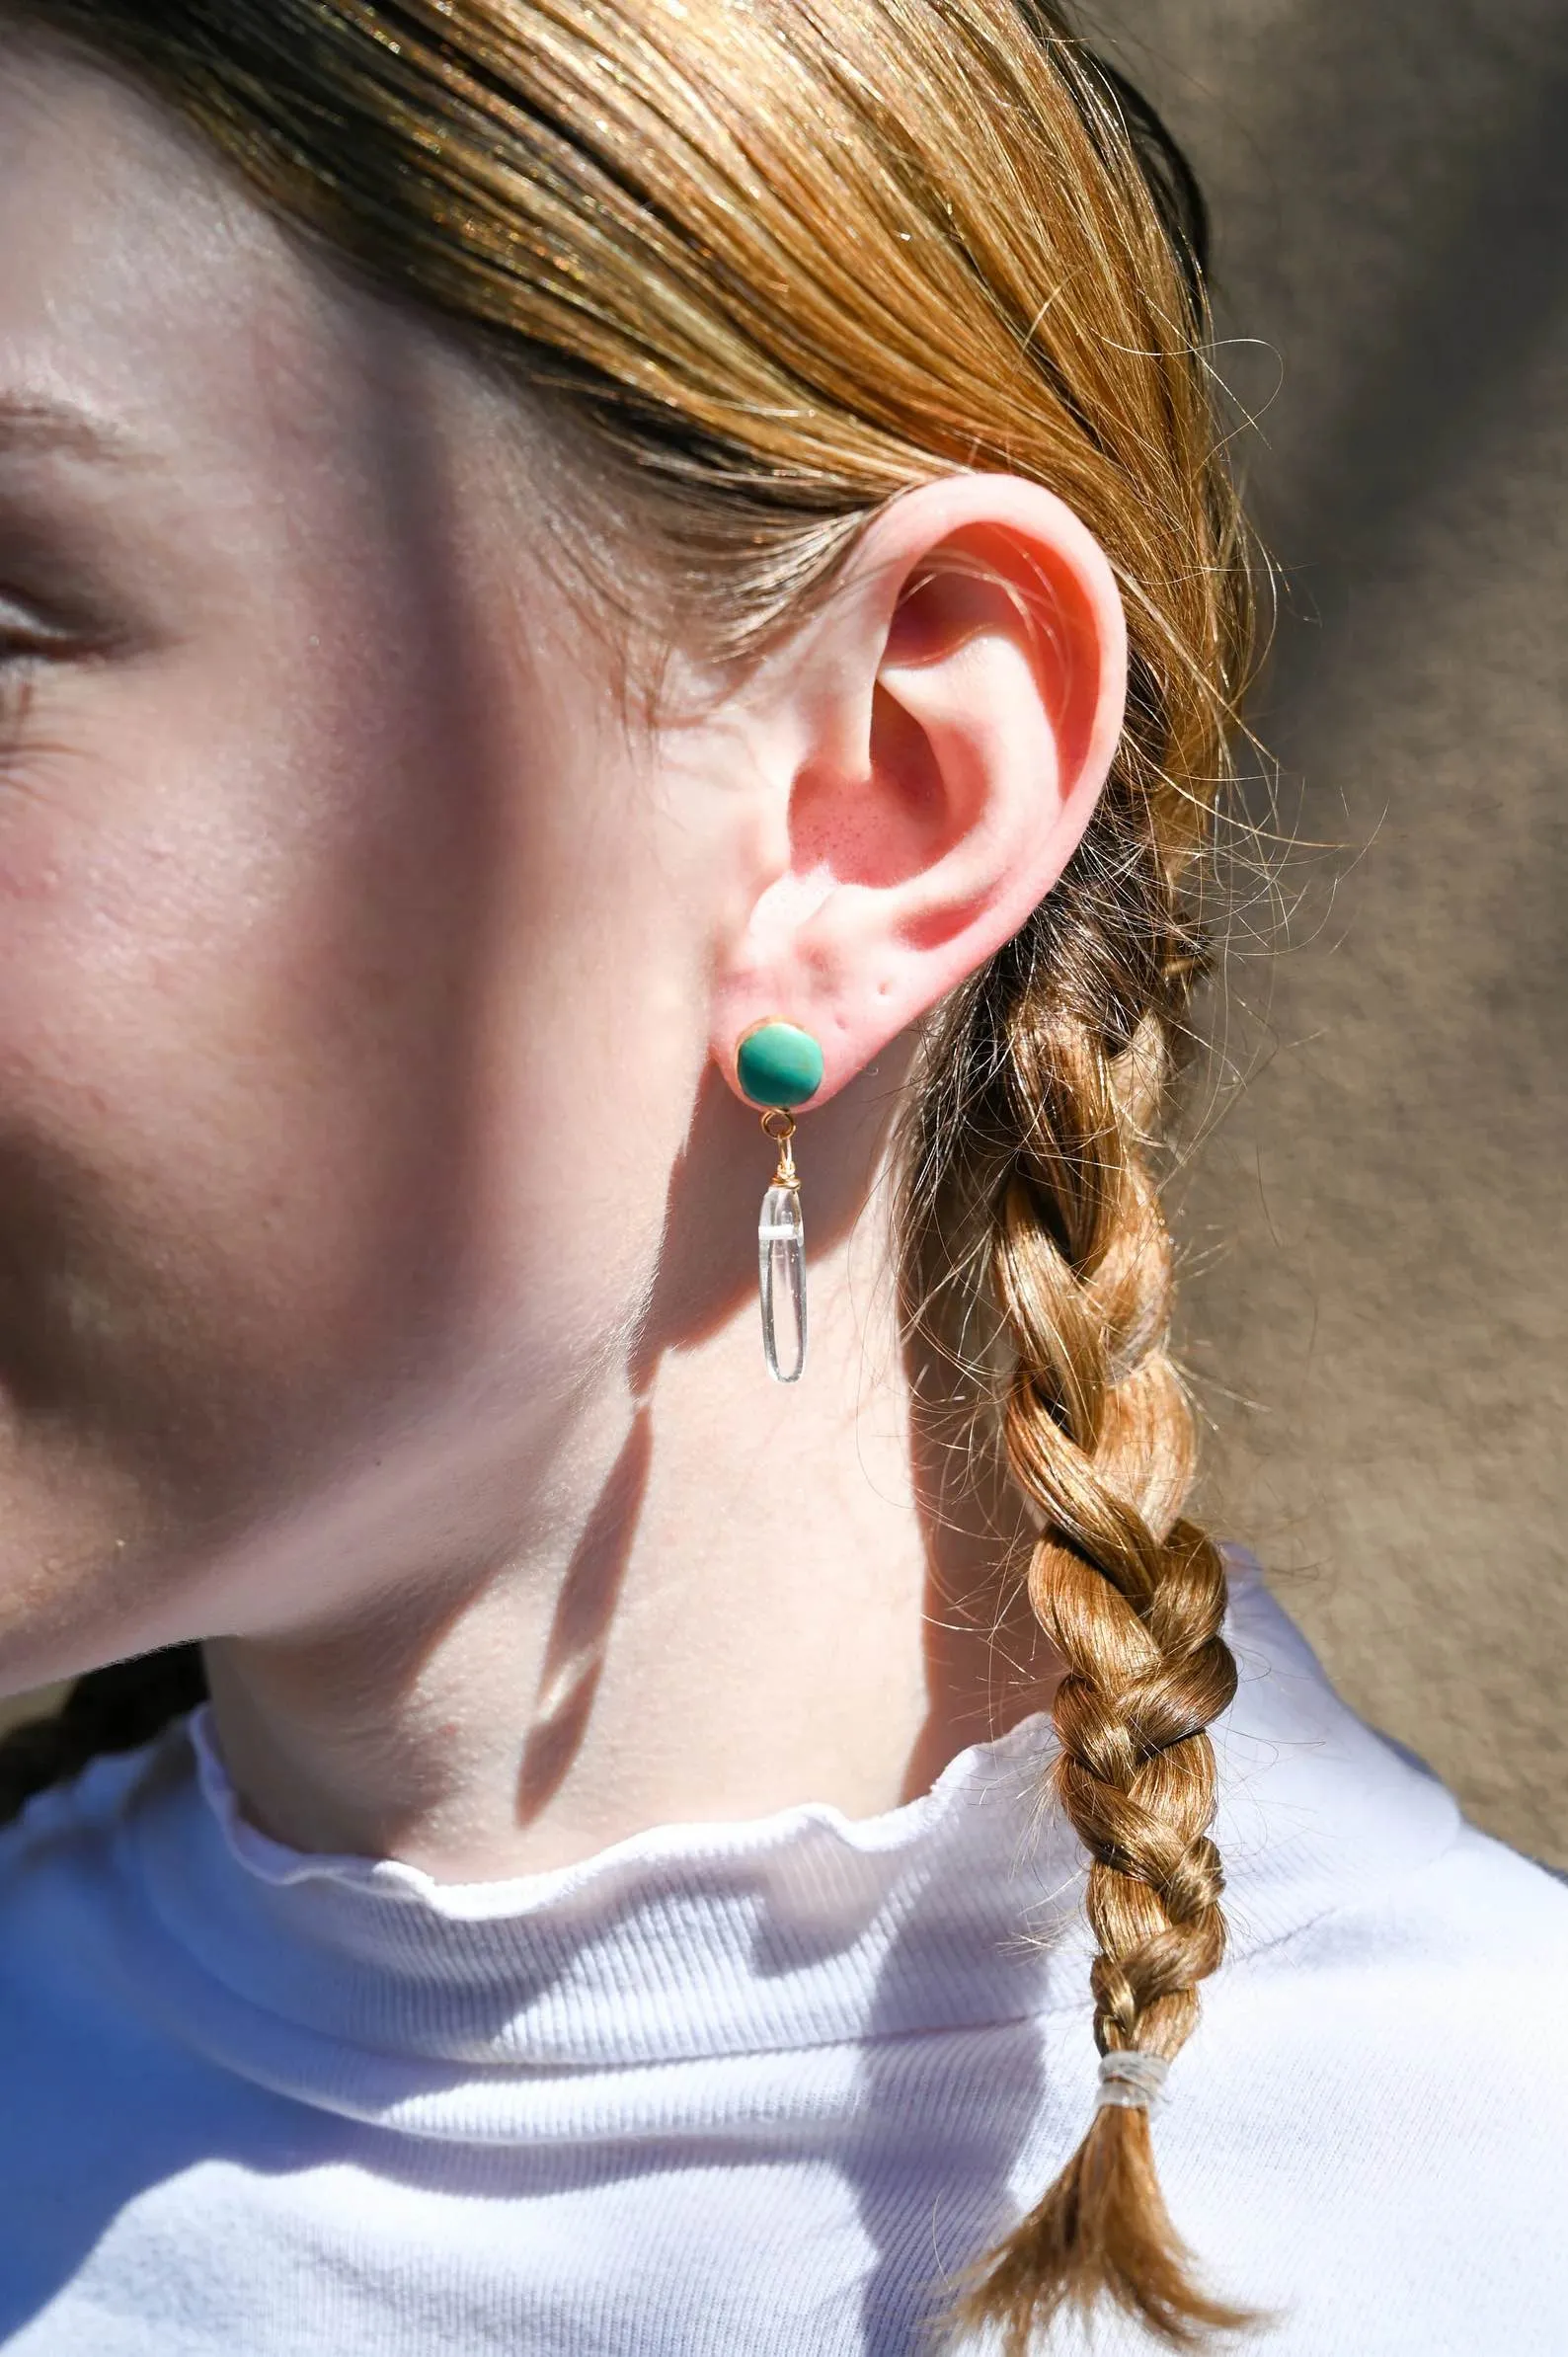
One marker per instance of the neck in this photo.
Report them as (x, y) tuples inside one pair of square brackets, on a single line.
[(733, 1596)]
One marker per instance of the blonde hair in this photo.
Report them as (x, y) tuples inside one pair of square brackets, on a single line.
[(779, 261)]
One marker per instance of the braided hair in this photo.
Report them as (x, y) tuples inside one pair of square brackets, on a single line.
[(114, 1709), (1061, 1059)]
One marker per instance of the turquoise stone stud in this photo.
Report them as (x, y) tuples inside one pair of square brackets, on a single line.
[(778, 1063)]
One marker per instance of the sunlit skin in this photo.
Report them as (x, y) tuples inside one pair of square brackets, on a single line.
[(378, 1215)]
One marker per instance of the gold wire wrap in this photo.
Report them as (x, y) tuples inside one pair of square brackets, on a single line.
[(786, 1174)]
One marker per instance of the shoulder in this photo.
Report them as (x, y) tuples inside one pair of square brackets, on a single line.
[(1476, 1901), (1364, 2134), (1379, 2075), (83, 1811), (1452, 1948), (1385, 1952), (1344, 1851), (68, 1895)]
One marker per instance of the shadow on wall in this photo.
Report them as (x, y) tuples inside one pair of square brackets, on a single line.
[(1375, 1293)]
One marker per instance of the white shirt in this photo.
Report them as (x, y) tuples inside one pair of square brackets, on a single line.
[(756, 2090)]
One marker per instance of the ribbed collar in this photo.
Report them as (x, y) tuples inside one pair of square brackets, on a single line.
[(364, 1983)]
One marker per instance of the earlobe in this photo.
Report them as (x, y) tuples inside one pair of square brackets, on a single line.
[(955, 708)]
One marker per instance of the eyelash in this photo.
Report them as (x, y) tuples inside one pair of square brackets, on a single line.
[(20, 658), (25, 652), (20, 648), (27, 649)]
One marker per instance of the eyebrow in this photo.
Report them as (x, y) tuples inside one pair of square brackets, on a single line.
[(42, 426)]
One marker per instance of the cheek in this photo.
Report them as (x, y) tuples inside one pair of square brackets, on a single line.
[(234, 1002), (591, 1049), (325, 1072)]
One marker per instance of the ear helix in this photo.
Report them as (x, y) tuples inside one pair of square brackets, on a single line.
[(779, 1066)]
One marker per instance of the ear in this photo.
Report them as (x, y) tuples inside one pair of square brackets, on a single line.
[(929, 749)]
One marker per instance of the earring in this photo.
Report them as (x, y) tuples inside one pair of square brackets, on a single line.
[(779, 1065)]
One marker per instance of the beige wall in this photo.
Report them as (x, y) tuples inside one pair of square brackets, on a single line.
[(1377, 1305), (1375, 1228)]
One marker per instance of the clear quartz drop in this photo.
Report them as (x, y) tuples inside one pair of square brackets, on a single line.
[(781, 1266)]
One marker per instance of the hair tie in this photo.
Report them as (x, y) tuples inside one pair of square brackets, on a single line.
[(1130, 2079)]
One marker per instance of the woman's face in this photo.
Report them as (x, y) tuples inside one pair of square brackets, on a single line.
[(352, 955)]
